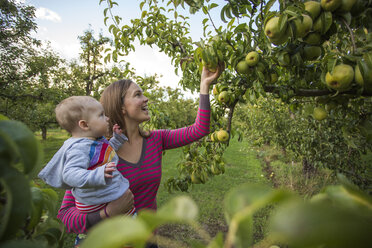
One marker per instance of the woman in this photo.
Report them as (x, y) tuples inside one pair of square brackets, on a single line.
[(140, 157)]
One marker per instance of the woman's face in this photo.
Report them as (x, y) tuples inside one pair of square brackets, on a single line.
[(135, 105)]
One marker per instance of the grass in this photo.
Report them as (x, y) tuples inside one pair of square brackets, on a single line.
[(243, 164)]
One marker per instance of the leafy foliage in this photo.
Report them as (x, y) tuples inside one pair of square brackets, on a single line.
[(342, 209), (27, 217)]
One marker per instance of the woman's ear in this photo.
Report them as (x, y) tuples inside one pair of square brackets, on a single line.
[(83, 124), (123, 110)]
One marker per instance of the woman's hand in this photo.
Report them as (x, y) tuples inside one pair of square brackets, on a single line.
[(208, 77)]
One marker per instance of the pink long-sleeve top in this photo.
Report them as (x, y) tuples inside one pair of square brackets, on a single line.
[(144, 176)]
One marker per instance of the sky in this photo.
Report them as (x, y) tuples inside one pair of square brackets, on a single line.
[(61, 22)]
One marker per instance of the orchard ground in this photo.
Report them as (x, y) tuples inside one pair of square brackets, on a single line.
[(244, 163)]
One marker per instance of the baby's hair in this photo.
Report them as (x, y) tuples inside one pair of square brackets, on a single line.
[(73, 109)]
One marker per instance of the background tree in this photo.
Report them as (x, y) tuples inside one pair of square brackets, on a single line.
[(91, 58)]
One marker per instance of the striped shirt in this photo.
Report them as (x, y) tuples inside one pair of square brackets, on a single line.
[(144, 176)]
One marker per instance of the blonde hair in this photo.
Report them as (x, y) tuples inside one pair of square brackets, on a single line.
[(112, 100), (73, 109)]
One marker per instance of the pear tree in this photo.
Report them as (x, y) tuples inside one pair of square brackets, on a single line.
[(308, 54)]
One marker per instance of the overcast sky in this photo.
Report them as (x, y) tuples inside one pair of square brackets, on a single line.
[(61, 22)]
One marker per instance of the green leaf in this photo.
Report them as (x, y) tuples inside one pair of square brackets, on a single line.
[(213, 5), (222, 14), (144, 13), (29, 148), (18, 201), (8, 150), (251, 197), (117, 232), (141, 4), (240, 232), (105, 20), (50, 200), (36, 207), (301, 224), (52, 235), (268, 6), (217, 242), (181, 208), (23, 244)]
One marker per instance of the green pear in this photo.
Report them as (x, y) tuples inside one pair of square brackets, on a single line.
[(272, 28), (341, 77), (364, 77), (346, 6), (150, 40), (303, 26), (224, 97), (273, 77), (313, 38), (358, 76), (320, 113), (284, 59), (358, 7), (252, 58), (330, 5), (312, 52), (222, 135), (313, 8), (321, 26), (243, 68), (282, 39), (260, 67)]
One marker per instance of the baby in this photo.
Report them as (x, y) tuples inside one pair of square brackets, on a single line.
[(86, 163)]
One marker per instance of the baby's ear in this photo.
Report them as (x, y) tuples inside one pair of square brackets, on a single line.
[(83, 124)]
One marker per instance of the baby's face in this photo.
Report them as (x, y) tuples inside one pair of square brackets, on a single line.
[(97, 121)]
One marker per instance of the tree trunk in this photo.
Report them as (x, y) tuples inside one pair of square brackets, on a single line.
[(308, 168), (44, 132)]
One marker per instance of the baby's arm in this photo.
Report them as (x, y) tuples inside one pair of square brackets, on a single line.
[(118, 138), (75, 172)]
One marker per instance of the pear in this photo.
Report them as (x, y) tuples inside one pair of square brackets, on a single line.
[(273, 77), (313, 38), (150, 40), (313, 8), (319, 26), (303, 26), (330, 5), (282, 39), (320, 113), (252, 58), (284, 59), (341, 77), (346, 6), (364, 78), (243, 68), (312, 52), (272, 28), (224, 97), (222, 135)]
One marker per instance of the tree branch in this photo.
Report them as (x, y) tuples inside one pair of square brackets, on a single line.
[(351, 34), (314, 92)]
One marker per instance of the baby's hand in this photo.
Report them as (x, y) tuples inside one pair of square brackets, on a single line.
[(110, 167), (117, 129)]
